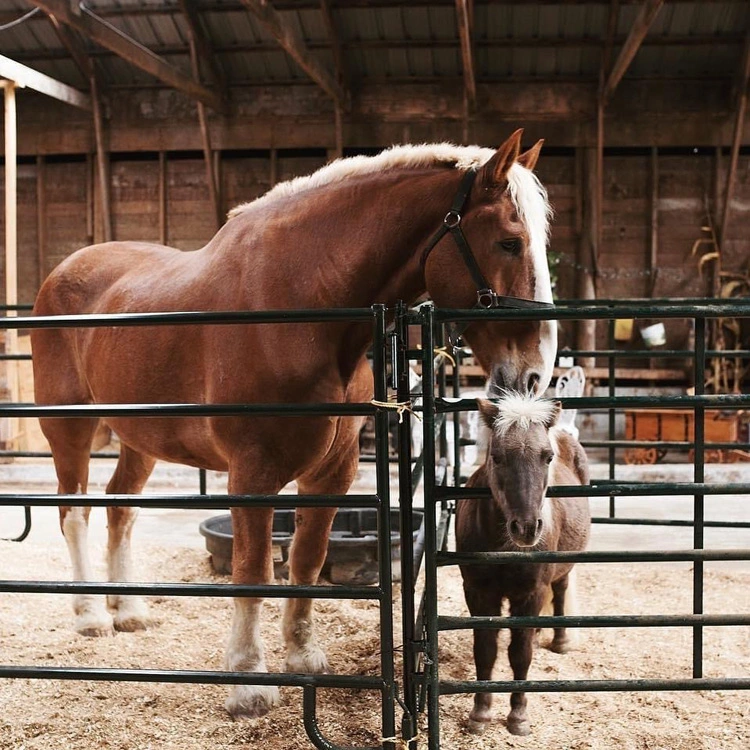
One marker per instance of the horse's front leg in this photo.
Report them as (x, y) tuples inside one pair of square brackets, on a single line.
[(482, 601), (520, 653), (252, 564)]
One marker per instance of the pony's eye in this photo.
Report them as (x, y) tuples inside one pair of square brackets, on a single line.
[(548, 457), (510, 245)]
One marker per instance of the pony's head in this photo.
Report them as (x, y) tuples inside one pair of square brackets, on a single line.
[(518, 461), (505, 221)]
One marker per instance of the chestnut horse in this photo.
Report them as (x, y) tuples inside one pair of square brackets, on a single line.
[(525, 453), (352, 234)]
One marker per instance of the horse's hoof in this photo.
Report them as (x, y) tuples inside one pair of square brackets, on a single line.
[(131, 616), (95, 625), (251, 702), (560, 647), (476, 727), (307, 661), (519, 727)]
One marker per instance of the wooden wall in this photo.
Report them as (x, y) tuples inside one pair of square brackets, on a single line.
[(59, 212)]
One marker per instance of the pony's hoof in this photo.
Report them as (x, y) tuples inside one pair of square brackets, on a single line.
[(245, 702), (519, 727), (95, 625), (307, 661), (561, 647)]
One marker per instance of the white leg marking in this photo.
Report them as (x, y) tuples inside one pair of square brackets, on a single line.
[(92, 618), (130, 612), (303, 652), (245, 654)]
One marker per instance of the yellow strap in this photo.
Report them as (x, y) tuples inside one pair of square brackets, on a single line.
[(399, 406)]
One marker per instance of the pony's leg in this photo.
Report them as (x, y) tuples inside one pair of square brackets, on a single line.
[(520, 653), (483, 602), (252, 564), (306, 558), (70, 441), (132, 473), (564, 603)]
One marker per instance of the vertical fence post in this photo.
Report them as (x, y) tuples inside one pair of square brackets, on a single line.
[(382, 470), (611, 416), (699, 456), (430, 567)]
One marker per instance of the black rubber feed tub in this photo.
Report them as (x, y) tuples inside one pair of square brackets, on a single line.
[(352, 547)]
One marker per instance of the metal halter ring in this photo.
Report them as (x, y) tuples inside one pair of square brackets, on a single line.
[(486, 298), (452, 219)]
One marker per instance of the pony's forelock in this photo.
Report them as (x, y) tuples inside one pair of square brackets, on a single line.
[(522, 410)]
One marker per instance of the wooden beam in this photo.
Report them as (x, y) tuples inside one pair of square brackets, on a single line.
[(74, 45), (28, 78), (295, 47), (163, 203), (106, 35), (653, 259), (464, 21), (739, 123), (643, 21), (102, 165), (41, 220), (203, 46), (337, 51)]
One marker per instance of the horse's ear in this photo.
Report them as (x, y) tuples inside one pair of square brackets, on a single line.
[(488, 412), (529, 158), (495, 171), (554, 414)]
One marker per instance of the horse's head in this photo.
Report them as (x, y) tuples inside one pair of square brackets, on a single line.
[(505, 221), (518, 462)]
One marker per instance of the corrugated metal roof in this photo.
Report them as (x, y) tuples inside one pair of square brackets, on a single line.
[(545, 40)]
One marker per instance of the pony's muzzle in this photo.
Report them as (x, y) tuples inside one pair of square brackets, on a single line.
[(525, 534)]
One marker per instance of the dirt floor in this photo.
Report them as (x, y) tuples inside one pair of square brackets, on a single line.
[(35, 629)]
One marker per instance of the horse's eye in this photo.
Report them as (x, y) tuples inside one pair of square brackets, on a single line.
[(510, 245), (548, 457)]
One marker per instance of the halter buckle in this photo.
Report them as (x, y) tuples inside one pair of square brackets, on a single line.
[(452, 219), (486, 298)]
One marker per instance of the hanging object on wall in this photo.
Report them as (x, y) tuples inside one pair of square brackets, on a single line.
[(623, 329), (654, 335)]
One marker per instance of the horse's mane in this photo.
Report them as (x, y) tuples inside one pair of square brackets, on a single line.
[(522, 410), (521, 180)]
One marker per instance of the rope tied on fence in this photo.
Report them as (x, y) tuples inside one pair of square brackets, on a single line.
[(441, 352), (398, 406)]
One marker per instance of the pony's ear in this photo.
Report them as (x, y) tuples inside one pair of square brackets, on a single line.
[(554, 414), (488, 412), (529, 158), (495, 171)]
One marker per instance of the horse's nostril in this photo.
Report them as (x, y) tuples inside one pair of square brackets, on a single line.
[(539, 525), (515, 528), (532, 384)]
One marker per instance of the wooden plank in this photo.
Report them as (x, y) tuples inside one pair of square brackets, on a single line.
[(203, 47), (103, 33), (41, 221), (102, 164), (464, 22), (26, 77)]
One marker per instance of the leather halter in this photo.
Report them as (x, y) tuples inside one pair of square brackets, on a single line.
[(487, 297)]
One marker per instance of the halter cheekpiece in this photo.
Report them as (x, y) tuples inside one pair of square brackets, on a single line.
[(487, 297)]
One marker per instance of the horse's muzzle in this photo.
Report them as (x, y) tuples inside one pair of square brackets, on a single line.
[(525, 534)]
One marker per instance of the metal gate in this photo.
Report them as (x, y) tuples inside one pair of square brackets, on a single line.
[(410, 684)]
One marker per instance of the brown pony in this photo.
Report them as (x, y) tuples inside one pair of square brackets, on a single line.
[(525, 453), (350, 235)]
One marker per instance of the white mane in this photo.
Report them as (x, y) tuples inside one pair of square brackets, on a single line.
[(522, 410), (528, 195)]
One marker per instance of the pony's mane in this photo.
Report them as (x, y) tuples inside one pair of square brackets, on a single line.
[(522, 410)]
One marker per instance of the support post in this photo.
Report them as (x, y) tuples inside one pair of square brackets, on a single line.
[(163, 226), (653, 261), (102, 163), (41, 220), (9, 425)]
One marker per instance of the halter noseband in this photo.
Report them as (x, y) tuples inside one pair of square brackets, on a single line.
[(487, 297)]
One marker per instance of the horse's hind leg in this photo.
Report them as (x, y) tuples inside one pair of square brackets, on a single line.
[(70, 441), (564, 603), (132, 473)]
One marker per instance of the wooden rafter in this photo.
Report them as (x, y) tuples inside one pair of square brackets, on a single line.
[(641, 25), (464, 19), (106, 35), (73, 43), (26, 77), (295, 47), (337, 49), (203, 46)]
